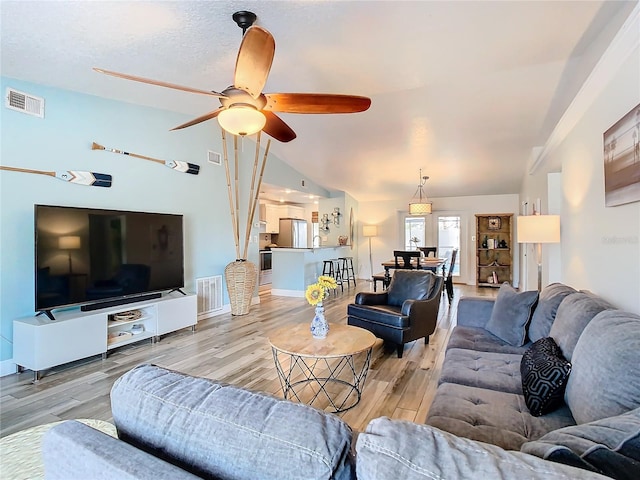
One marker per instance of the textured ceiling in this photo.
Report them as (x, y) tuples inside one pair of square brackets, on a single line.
[(463, 90)]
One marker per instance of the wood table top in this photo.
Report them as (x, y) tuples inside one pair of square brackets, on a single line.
[(425, 261), (341, 341)]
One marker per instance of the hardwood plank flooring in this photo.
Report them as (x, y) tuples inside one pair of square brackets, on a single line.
[(234, 350)]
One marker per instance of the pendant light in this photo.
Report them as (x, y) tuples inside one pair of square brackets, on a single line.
[(419, 204)]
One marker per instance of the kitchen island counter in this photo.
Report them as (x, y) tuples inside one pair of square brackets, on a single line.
[(293, 269)]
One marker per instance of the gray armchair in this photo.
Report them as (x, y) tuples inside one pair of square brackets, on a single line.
[(406, 311)]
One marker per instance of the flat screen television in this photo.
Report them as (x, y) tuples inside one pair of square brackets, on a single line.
[(94, 258)]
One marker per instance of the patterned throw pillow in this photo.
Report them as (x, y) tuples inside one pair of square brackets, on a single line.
[(544, 373)]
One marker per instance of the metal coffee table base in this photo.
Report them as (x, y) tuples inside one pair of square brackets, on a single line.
[(301, 373)]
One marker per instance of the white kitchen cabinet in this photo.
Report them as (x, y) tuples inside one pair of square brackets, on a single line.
[(272, 216), (291, 211)]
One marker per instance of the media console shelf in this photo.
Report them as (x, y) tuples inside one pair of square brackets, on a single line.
[(40, 343)]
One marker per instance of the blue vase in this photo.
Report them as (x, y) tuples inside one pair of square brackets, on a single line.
[(319, 325)]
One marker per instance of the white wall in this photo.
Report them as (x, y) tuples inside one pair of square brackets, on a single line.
[(600, 246), (385, 216)]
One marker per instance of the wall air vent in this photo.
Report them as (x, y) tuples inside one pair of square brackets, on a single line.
[(209, 292), (214, 157), (25, 103)]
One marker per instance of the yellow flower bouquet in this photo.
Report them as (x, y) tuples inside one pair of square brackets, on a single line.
[(316, 292)]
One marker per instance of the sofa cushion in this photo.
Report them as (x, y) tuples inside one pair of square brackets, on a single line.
[(495, 371), (544, 373), (488, 416), (407, 451), (605, 378), (610, 446), (212, 429), (511, 314), (409, 284), (545, 312), (479, 339), (574, 313), (73, 450)]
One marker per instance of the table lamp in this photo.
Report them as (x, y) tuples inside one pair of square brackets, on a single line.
[(370, 231), (538, 229)]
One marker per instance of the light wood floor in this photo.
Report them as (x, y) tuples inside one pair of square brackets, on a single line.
[(234, 350)]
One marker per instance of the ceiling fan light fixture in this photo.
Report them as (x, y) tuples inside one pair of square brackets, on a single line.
[(419, 204), (242, 119)]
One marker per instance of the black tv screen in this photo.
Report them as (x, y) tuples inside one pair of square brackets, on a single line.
[(88, 255)]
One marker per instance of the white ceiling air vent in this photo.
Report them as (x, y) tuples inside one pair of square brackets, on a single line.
[(214, 157), (25, 103)]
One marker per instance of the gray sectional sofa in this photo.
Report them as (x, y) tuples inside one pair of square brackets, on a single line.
[(172, 425)]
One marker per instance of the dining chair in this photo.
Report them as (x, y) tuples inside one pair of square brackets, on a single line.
[(429, 251), (405, 257), (448, 281)]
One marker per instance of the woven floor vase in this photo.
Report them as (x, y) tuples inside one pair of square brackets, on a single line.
[(241, 279)]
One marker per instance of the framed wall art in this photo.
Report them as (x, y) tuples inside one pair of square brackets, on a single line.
[(622, 160)]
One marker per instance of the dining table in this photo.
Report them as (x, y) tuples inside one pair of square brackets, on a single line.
[(425, 263)]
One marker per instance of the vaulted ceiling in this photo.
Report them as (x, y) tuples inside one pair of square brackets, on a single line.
[(465, 90)]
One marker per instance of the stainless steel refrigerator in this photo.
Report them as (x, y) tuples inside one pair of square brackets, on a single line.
[(293, 233)]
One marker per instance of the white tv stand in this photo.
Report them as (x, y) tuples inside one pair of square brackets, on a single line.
[(40, 343)]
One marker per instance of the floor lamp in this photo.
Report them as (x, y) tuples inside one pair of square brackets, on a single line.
[(538, 229), (69, 242), (370, 231)]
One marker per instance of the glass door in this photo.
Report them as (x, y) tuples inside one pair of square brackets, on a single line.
[(449, 234)]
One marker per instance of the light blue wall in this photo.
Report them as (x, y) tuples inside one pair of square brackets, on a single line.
[(62, 141)]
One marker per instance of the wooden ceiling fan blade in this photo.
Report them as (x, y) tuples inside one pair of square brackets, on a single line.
[(276, 128), (159, 83), (316, 103), (254, 60), (200, 119)]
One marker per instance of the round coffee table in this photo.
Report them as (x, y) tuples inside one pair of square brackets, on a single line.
[(328, 372)]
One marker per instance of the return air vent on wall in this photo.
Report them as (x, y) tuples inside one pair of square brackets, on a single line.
[(25, 103), (209, 293), (214, 157)]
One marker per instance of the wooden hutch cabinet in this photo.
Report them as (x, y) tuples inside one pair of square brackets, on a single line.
[(494, 249)]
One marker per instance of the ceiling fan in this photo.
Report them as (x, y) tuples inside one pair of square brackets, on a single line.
[(244, 108)]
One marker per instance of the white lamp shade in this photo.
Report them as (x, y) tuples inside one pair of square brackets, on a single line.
[(370, 231), (242, 120), (69, 242), (538, 229), (419, 208)]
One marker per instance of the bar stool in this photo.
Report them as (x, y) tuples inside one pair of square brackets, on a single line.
[(348, 273), (331, 268)]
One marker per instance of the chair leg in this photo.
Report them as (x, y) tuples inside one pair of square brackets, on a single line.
[(426, 340), (400, 350)]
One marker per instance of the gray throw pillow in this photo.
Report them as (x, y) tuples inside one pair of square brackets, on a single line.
[(511, 314), (545, 312), (610, 446), (215, 430), (574, 313)]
